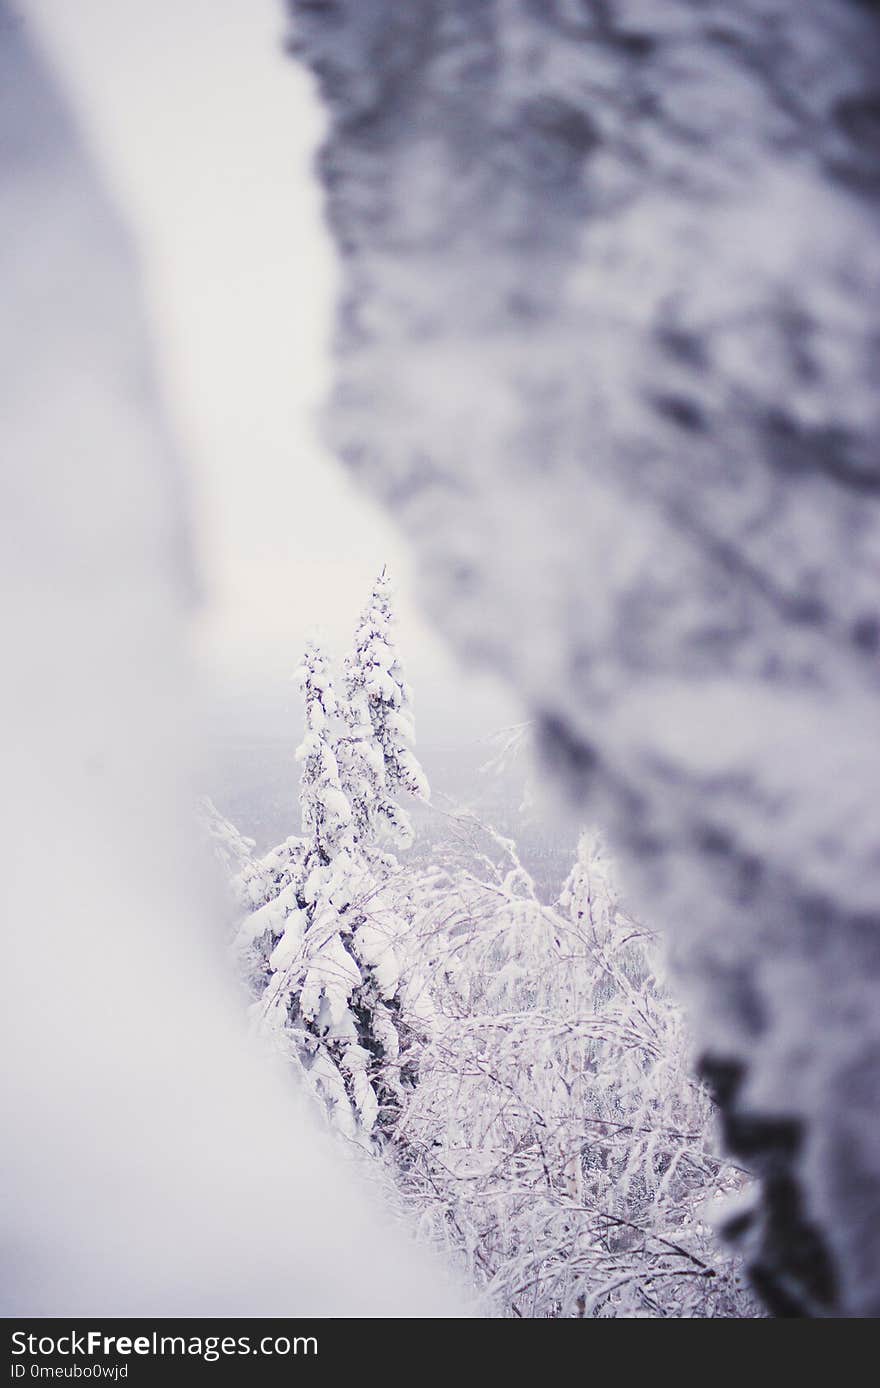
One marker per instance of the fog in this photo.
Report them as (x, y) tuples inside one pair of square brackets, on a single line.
[(206, 132)]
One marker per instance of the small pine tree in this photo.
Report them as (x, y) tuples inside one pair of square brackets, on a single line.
[(326, 812), (379, 763)]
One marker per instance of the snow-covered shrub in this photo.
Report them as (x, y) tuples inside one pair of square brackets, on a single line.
[(245, 882), (230, 847), (556, 1138)]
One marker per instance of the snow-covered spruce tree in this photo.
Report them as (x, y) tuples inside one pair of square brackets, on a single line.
[(310, 972), (379, 761), (277, 885), (320, 947), (377, 766), (556, 1139)]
